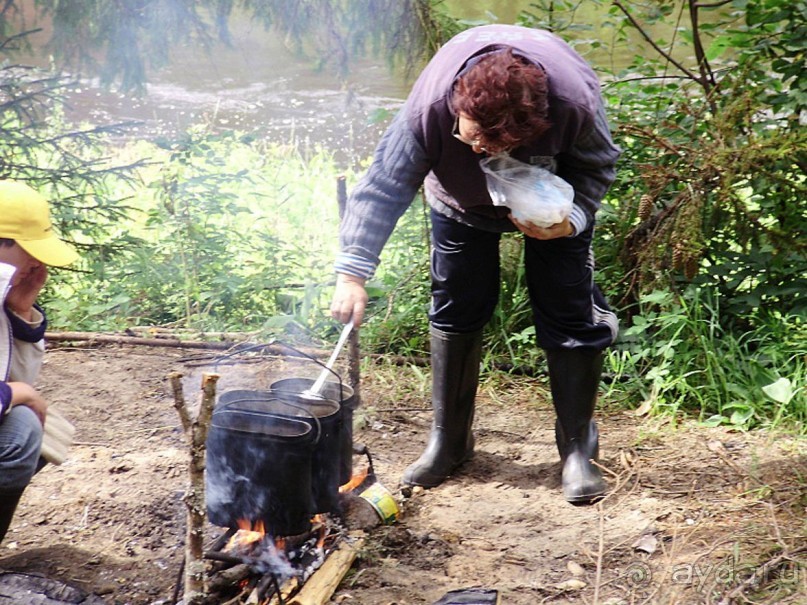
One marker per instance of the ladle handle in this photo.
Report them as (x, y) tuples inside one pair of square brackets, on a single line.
[(315, 388)]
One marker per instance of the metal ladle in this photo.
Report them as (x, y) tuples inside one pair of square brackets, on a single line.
[(313, 392)]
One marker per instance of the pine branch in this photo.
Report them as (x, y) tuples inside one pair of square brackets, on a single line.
[(655, 46)]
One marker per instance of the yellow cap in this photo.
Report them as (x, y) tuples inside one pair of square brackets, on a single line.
[(25, 218)]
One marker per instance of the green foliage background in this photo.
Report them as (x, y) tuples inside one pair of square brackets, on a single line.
[(700, 245)]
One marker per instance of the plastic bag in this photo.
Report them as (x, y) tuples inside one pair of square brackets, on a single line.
[(532, 194)]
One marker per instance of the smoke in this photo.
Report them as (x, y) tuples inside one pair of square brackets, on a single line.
[(259, 468), (273, 560)]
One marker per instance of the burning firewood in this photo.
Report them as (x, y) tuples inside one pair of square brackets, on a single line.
[(320, 587), (288, 588), (260, 569), (228, 577)]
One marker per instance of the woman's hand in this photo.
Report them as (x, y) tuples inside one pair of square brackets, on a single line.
[(349, 299), (561, 229)]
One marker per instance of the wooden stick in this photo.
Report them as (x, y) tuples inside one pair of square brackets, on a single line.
[(353, 342), (353, 366), (221, 541), (179, 400), (288, 588), (258, 594), (319, 588), (229, 577), (93, 337), (195, 589), (160, 332), (225, 557)]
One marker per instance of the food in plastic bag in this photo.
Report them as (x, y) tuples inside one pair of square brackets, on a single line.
[(533, 194)]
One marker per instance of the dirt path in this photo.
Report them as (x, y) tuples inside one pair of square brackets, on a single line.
[(694, 512)]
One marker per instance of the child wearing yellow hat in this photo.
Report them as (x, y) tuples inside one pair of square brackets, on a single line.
[(28, 245)]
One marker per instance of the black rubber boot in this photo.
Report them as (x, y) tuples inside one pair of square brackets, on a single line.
[(455, 375), (8, 504), (574, 376)]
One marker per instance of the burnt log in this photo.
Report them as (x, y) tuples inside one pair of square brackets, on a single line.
[(228, 578)]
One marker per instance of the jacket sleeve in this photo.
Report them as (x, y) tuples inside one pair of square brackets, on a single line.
[(380, 198), (589, 166), (29, 346), (5, 400)]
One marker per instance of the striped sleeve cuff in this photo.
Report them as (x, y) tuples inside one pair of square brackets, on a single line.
[(578, 219), (353, 264)]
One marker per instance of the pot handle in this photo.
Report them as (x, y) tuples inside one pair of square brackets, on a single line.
[(274, 342), (313, 417), (238, 350), (231, 407)]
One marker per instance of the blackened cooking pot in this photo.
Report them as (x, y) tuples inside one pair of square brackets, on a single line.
[(258, 468), (328, 455), (324, 417), (335, 391)]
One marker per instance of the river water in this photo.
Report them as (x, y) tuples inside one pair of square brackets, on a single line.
[(257, 85)]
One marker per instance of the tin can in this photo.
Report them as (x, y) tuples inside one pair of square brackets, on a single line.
[(382, 501)]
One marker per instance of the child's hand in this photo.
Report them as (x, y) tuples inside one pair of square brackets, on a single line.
[(25, 290), (23, 393)]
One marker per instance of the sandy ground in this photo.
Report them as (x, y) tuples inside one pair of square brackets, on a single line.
[(695, 515)]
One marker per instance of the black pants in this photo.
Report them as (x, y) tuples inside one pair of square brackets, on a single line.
[(569, 310)]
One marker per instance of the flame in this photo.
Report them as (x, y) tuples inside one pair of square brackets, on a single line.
[(246, 535), (323, 533), (355, 481)]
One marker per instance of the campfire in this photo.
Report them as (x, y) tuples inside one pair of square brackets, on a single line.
[(274, 471), (251, 567), (255, 568)]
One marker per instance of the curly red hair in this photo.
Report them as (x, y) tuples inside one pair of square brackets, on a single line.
[(507, 96)]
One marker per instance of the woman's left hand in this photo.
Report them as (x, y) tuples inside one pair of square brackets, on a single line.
[(561, 229)]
